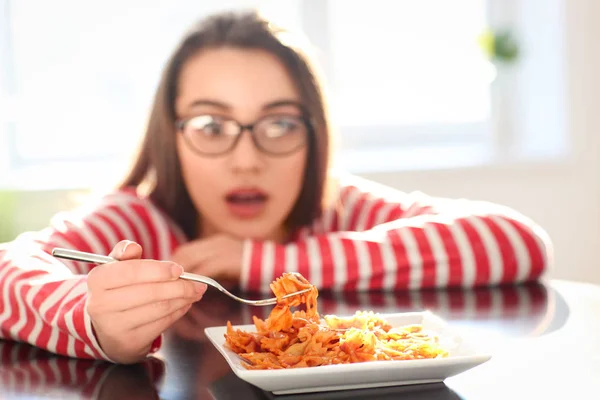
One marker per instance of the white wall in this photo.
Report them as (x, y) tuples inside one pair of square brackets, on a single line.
[(563, 197)]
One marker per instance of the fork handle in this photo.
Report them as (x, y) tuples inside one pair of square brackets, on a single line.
[(201, 279), (75, 255), (99, 259)]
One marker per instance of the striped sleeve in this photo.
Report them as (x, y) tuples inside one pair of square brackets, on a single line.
[(381, 238), (44, 300)]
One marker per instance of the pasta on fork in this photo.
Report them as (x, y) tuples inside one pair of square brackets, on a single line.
[(302, 338)]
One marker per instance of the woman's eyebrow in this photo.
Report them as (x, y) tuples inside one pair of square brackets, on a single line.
[(227, 107), (282, 103), (208, 102)]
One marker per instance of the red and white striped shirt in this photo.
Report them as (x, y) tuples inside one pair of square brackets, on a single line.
[(374, 238)]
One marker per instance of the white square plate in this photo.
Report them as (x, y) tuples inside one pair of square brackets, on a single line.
[(370, 374)]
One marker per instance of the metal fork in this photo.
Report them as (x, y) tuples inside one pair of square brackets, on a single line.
[(69, 254)]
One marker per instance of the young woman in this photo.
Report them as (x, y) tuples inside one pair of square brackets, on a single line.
[(232, 181)]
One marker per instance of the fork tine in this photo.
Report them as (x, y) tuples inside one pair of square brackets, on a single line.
[(263, 302)]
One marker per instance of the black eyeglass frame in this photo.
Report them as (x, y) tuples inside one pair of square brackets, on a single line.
[(180, 127)]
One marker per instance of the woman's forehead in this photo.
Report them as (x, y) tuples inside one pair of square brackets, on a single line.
[(237, 78)]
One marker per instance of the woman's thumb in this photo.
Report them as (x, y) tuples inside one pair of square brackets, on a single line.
[(126, 250)]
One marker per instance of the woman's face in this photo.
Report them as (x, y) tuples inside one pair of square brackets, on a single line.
[(244, 192)]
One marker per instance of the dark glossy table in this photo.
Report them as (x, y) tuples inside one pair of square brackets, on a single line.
[(544, 337)]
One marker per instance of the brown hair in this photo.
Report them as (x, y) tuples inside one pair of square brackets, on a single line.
[(156, 169)]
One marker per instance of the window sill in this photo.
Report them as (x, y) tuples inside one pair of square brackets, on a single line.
[(449, 157), (414, 158)]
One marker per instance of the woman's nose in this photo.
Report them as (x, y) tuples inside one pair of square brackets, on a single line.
[(245, 156)]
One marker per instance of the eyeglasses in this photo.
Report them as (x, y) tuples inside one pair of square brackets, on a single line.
[(212, 135)]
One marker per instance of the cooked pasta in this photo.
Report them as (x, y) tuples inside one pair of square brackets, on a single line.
[(302, 338)]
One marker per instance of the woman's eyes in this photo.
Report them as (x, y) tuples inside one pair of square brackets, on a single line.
[(280, 127), (271, 127), (286, 124), (213, 128), (207, 125)]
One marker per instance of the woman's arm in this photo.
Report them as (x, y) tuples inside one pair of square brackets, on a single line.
[(44, 299), (380, 238)]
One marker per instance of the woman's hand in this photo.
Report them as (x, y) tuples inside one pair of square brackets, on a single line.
[(219, 257), (132, 301)]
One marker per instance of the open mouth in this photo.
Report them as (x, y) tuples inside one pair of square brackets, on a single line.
[(247, 203)]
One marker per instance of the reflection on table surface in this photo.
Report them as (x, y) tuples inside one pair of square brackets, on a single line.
[(229, 385), (223, 388), (28, 372), (188, 366)]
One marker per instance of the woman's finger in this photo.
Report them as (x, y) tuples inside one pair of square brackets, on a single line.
[(192, 254), (132, 272), (126, 250), (158, 326), (150, 313), (131, 297)]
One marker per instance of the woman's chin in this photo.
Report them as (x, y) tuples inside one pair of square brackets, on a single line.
[(257, 231)]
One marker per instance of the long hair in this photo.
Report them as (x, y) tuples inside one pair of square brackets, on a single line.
[(156, 169)]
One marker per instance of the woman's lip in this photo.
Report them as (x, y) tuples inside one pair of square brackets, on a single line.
[(246, 192)]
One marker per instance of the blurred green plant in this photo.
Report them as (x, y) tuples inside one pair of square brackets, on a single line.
[(8, 203), (499, 46)]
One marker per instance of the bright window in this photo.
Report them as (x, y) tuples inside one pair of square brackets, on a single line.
[(399, 63), (77, 78)]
